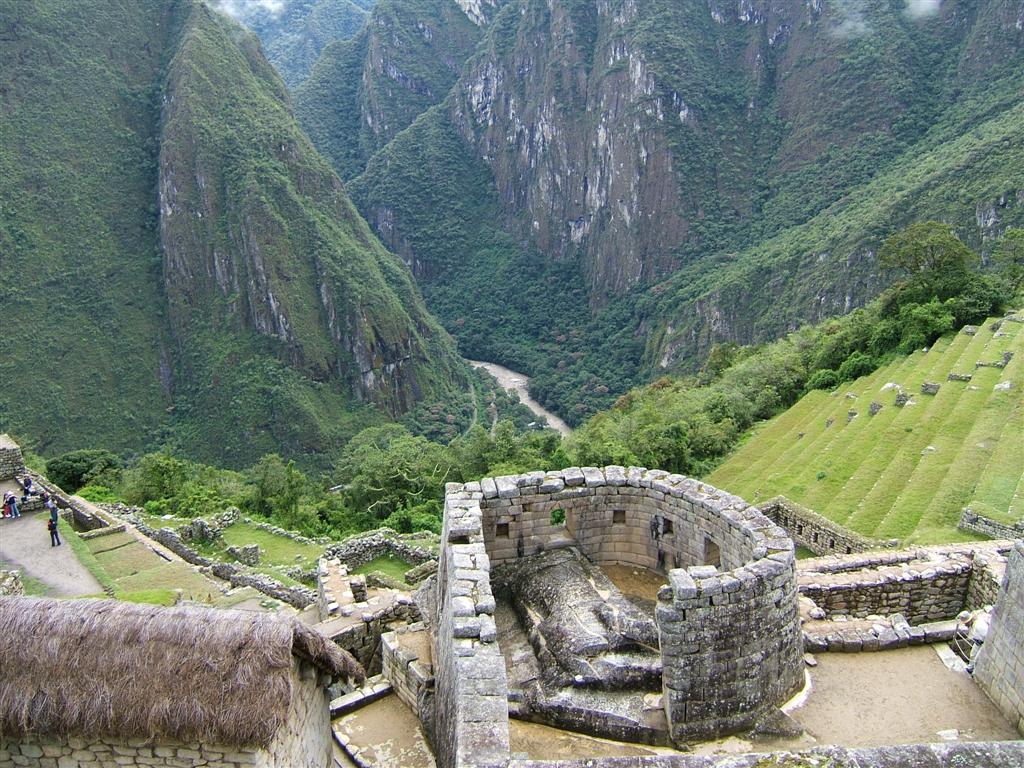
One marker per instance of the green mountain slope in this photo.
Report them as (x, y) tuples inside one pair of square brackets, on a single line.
[(294, 33), (704, 171), (364, 91), (904, 472), (192, 269)]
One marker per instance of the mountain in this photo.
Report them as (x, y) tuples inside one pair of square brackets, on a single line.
[(609, 188), (295, 32), (182, 267), (405, 60)]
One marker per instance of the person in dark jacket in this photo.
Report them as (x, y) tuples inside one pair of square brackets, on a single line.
[(54, 537)]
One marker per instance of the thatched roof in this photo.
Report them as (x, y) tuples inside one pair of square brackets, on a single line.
[(107, 668)]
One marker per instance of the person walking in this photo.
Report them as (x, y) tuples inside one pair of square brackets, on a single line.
[(54, 537), (51, 506)]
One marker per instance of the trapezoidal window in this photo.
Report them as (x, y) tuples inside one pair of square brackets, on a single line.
[(666, 525), (712, 553), (618, 517), (501, 531)]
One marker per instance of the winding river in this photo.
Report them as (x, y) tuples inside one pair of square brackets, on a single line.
[(519, 383)]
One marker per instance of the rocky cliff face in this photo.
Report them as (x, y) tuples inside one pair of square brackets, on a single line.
[(669, 151), (271, 319), (364, 91)]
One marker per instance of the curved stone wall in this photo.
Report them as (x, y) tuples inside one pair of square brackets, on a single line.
[(728, 622)]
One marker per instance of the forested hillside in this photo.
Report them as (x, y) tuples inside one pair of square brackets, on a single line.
[(182, 268), (295, 32), (609, 188)]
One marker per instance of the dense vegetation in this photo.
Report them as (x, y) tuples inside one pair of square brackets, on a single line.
[(789, 173), (689, 424), (294, 33), (209, 287), (387, 475)]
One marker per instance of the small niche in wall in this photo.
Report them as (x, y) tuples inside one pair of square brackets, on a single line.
[(666, 525), (712, 553), (501, 531), (618, 517), (558, 517)]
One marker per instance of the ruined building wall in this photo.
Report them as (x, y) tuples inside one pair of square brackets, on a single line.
[(1000, 665), (471, 689), (728, 622)]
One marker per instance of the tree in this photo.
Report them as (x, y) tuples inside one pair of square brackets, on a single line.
[(77, 468), (928, 252), (1008, 257)]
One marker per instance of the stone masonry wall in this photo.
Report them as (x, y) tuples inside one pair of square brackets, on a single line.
[(728, 620), (986, 526), (1000, 665), (51, 752), (471, 689), (815, 532), (363, 638), (923, 590), (410, 676), (12, 463), (364, 547), (10, 584), (304, 741)]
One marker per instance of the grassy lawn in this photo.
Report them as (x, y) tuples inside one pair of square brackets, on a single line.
[(389, 565), (275, 550), (138, 574), (906, 472)]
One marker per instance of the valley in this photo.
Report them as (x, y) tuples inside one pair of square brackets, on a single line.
[(520, 384)]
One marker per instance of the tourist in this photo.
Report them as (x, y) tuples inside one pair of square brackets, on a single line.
[(4, 511), (52, 528), (27, 485), (51, 506), (11, 505)]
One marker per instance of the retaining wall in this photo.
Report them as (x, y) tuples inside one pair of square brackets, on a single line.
[(1000, 665), (923, 591), (363, 638), (815, 532), (364, 547), (986, 526)]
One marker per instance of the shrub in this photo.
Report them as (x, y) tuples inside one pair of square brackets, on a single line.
[(823, 379), (77, 468), (856, 365)]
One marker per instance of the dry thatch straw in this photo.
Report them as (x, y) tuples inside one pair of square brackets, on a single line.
[(98, 668)]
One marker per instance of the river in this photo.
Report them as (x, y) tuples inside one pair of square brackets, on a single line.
[(519, 383)]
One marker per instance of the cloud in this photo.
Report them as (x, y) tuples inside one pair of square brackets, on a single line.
[(919, 9), (243, 9), (850, 19)]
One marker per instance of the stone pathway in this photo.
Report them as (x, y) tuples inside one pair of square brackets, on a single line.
[(25, 546)]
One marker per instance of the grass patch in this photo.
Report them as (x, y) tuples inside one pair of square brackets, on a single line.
[(906, 472), (151, 596), (84, 554), (34, 587), (389, 565), (274, 549)]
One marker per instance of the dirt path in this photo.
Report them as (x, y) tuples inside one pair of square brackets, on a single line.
[(519, 383), (25, 546)]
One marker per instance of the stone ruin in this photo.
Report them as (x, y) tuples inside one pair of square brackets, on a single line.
[(717, 652)]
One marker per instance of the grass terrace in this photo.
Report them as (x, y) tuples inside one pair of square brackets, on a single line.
[(905, 472)]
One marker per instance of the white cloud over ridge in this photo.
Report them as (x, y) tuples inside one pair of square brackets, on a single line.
[(919, 9), (243, 9)]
